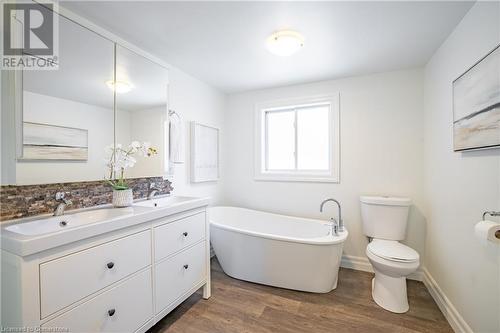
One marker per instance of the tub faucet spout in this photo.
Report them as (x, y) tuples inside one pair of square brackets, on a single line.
[(340, 225)]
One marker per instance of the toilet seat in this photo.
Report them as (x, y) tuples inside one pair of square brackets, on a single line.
[(392, 250)]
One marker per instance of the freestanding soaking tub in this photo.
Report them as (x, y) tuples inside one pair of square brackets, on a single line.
[(277, 250)]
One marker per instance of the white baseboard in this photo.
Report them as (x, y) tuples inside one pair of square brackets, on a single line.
[(362, 264), (456, 321), (357, 263)]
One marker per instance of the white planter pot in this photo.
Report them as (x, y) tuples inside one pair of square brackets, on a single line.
[(123, 198)]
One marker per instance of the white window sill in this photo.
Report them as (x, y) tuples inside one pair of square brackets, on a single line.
[(279, 177)]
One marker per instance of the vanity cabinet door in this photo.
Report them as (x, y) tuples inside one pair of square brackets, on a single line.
[(177, 275), (66, 280), (124, 308), (175, 236)]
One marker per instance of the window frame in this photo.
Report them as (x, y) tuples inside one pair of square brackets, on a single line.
[(261, 173)]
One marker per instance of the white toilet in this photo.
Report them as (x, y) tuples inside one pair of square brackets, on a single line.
[(384, 221)]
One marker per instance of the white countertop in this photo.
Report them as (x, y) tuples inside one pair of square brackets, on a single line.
[(27, 244)]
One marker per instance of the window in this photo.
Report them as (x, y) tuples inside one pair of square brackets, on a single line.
[(298, 140)]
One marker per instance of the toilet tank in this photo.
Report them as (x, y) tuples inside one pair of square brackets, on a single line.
[(385, 217)]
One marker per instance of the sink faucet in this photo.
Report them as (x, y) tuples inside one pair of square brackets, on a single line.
[(152, 192), (335, 226), (61, 206)]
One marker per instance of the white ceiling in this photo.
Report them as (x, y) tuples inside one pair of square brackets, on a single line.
[(223, 43)]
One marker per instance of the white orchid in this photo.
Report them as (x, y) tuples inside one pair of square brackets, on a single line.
[(134, 146), (118, 159)]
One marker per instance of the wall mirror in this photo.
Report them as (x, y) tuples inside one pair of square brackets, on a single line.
[(141, 110), (70, 115), (67, 114)]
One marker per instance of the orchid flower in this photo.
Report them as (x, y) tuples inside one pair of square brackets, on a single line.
[(118, 159)]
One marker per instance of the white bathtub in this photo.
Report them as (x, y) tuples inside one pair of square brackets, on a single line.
[(277, 250)]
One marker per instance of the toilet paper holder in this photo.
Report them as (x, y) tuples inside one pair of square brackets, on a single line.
[(490, 213)]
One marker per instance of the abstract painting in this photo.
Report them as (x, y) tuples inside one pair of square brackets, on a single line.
[(50, 142), (476, 105), (204, 153)]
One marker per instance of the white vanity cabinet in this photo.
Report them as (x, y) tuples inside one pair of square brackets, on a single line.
[(125, 280)]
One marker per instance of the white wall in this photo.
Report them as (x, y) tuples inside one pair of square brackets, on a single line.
[(460, 186), (381, 152), (195, 100), (57, 111)]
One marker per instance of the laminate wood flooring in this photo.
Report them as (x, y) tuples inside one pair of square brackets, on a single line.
[(243, 307)]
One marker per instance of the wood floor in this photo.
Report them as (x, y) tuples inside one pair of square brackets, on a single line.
[(238, 306)]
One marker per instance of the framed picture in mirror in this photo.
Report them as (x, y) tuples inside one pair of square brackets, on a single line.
[(52, 142)]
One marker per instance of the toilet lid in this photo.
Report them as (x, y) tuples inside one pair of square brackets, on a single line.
[(392, 250)]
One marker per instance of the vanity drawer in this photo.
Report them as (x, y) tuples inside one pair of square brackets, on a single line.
[(124, 308), (176, 275), (172, 237), (66, 280)]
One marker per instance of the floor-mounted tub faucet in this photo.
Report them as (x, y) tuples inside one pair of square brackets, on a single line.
[(340, 222)]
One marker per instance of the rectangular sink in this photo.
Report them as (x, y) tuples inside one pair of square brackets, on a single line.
[(162, 202), (60, 223), (36, 234)]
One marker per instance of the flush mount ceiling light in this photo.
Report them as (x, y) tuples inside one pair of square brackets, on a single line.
[(285, 42), (121, 87)]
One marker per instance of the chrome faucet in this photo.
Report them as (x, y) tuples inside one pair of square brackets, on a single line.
[(336, 226), (152, 192), (61, 206)]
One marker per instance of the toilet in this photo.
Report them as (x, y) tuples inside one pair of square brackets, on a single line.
[(384, 222)]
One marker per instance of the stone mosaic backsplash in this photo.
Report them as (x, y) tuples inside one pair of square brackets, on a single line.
[(30, 200)]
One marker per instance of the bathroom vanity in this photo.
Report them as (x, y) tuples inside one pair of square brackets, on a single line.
[(102, 269), (107, 269)]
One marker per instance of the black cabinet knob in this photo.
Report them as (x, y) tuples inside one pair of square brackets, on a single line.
[(110, 264), (185, 233), (111, 312), (186, 266)]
